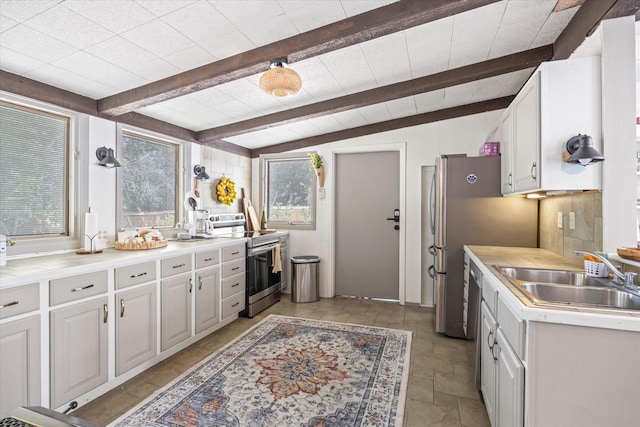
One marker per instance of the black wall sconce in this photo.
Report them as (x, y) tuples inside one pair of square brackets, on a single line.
[(200, 172), (580, 148), (106, 158)]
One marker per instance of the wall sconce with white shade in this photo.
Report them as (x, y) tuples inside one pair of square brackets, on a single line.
[(580, 151), (107, 158), (280, 80)]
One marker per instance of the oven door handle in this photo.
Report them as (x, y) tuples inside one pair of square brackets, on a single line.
[(260, 250)]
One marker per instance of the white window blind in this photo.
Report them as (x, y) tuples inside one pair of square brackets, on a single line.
[(33, 162)]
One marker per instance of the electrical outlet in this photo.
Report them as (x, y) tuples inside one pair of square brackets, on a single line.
[(572, 220), (321, 193), (559, 219)]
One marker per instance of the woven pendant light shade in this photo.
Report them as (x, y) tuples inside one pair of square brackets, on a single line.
[(280, 80)]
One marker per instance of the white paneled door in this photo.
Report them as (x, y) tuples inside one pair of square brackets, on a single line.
[(367, 238)]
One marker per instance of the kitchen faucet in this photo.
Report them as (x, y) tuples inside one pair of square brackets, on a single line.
[(627, 280)]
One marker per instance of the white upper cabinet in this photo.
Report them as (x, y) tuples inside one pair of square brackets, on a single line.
[(560, 100)]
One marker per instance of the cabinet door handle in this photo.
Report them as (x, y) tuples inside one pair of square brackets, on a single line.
[(199, 283), (178, 266), (121, 307), (133, 276), (489, 343), (82, 288), (190, 285), (106, 313), (510, 180), (9, 304), (534, 170), (495, 347)]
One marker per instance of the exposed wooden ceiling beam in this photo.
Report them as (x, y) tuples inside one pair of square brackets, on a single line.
[(433, 116), (518, 61), (583, 23), (624, 8), (33, 89), (378, 22)]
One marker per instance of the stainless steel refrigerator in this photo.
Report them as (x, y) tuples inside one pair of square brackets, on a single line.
[(468, 209)]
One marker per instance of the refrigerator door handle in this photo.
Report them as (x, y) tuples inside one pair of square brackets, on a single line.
[(432, 205)]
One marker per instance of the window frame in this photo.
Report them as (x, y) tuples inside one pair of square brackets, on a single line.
[(181, 169), (265, 159), (77, 152)]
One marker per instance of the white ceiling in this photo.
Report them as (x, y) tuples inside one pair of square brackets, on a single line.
[(99, 48)]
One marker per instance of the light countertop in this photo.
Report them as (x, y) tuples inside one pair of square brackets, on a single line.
[(26, 270), (488, 256)]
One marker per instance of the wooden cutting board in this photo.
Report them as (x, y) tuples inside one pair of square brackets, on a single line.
[(253, 217), (245, 210)]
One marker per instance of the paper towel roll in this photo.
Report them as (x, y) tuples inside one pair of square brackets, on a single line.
[(90, 229)]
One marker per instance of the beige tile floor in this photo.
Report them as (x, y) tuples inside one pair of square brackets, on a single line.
[(440, 391)]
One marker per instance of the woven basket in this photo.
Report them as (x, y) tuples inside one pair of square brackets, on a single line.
[(132, 246), (595, 269)]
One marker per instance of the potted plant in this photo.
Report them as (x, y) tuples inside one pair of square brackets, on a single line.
[(318, 167)]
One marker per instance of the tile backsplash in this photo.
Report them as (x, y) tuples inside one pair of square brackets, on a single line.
[(221, 163), (587, 234)]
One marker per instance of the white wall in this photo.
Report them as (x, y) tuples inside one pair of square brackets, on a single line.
[(423, 144)]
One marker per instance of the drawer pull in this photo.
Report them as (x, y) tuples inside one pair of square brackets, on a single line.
[(106, 313), (208, 259), (178, 266), (237, 284), (82, 288), (235, 253), (235, 268), (235, 304), (133, 276), (9, 304), (122, 307)]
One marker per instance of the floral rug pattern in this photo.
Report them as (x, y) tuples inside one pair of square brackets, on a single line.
[(288, 371)]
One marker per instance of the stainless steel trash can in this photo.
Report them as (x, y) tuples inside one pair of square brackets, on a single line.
[(304, 278)]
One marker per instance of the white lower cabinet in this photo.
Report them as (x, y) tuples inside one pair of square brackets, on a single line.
[(509, 385), (104, 326), (79, 349), (20, 364), (176, 310), (136, 327), (207, 298), (502, 374), (488, 372)]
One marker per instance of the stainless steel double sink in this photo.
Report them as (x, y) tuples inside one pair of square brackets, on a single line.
[(574, 288)]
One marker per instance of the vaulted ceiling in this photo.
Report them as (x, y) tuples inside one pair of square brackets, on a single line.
[(190, 68)]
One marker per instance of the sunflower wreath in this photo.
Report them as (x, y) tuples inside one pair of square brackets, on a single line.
[(226, 191)]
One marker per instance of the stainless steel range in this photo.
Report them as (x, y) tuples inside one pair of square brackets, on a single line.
[(264, 278)]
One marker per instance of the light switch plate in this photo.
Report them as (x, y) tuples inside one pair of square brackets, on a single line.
[(559, 219), (572, 220), (321, 193)]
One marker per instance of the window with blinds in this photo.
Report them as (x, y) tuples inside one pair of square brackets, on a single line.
[(147, 182), (34, 149)]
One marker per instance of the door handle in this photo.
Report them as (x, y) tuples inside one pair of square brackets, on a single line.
[(396, 216)]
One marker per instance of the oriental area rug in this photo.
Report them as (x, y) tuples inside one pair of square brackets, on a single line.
[(287, 371)]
